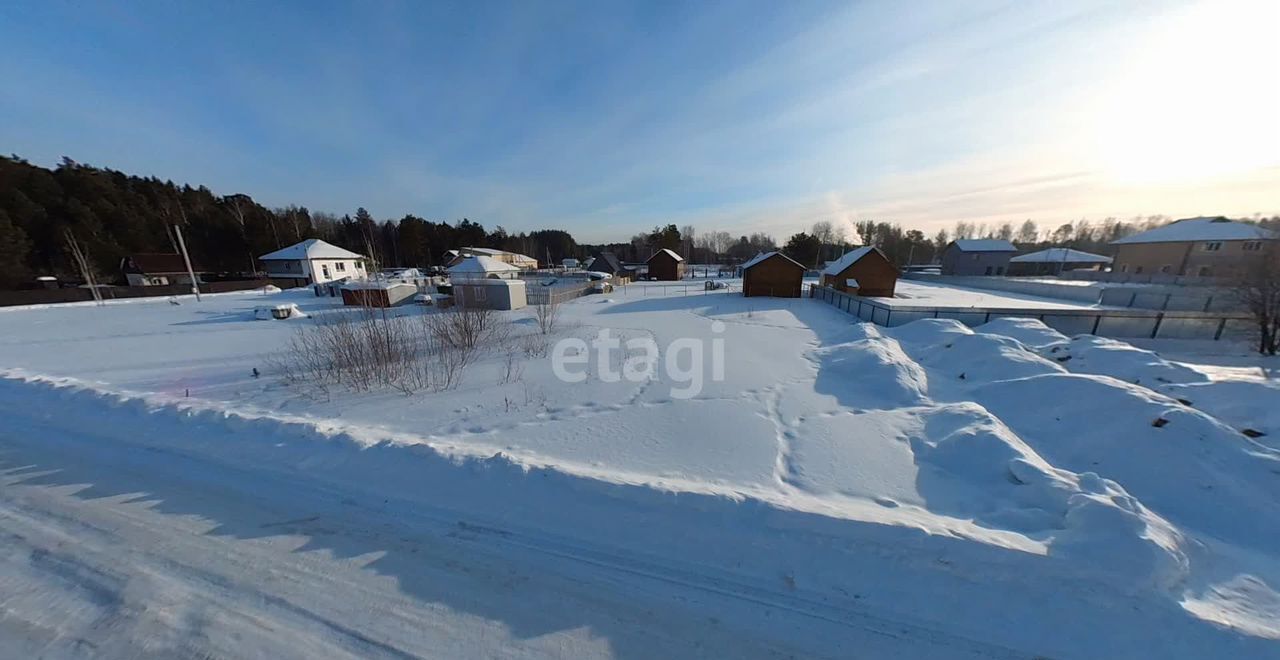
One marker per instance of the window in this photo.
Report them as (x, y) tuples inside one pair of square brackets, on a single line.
[(975, 257), (1204, 271), (1213, 246), (340, 266), (1124, 268), (1137, 271), (988, 270), (324, 268), (1166, 268), (999, 270), (1252, 246)]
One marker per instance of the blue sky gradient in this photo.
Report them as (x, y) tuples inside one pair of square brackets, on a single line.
[(605, 118)]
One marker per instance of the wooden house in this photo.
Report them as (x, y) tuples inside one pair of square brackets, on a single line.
[(772, 274)]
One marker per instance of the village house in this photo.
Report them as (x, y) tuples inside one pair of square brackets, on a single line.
[(1201, 247), (480, 268), (158, 270), (520, 261), (608, 262), (772, 274), (864, 272), (315, 261), (1055, 261), (977, 256), (666, 265)]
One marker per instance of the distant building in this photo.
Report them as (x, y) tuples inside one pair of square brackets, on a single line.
[(772, 274), (315, 261), (377, 293), (1202, 247), (863, 272), (521, 261), (1054, 261), (607, 262), (666, 265), (490, 294), (480, 267), (569, 263), (158, 270), (977, 256)]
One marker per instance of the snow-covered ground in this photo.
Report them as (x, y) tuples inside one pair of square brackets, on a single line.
[(845, 489), (911, 293)]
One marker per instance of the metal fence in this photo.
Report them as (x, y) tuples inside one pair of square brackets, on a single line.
[(1119, 323)]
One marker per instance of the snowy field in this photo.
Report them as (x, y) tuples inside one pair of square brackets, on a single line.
[(912, 293), (844, 490)]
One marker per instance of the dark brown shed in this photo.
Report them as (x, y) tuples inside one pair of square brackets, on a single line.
[(772, 274), (666, 265), (864, 272)]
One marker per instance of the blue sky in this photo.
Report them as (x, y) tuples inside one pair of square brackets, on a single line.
[(605, 118)]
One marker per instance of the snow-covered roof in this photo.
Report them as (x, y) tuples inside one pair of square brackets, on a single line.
[(765, 255), (312, 248), (1200, 229), (481, 264), (1059, 255), (670, 253), (493, 252), (983, 245), (849, 258)]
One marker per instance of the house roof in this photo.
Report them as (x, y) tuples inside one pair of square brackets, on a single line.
[(312, 248), (1059, 255), (765, 255), (1200, 229), (983, 245), (670, 253), (610, 259), (481, 264), (492, 252), (851, 257), (160, 264)]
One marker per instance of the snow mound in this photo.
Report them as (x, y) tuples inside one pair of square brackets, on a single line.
[(872, 373), (1031, 332), (927, 332), (270, 288), (981, 358), (971, 465), (1243, 404), (1107, 357), (1185, 465)]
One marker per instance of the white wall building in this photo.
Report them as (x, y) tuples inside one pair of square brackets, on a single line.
[(314, 260)]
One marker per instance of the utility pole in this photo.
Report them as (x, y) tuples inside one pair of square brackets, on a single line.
[(195, 286)]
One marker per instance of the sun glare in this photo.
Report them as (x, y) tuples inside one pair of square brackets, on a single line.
[(1198, 97)]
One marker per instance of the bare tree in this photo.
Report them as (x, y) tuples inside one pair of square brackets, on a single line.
[(1257, 286), (1028, 233), (83, 264)]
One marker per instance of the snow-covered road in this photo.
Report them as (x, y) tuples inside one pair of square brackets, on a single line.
[(109, 550)]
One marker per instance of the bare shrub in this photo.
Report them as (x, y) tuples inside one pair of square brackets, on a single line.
[(546, 311), (534, 345), (365, 349), (463, 327)]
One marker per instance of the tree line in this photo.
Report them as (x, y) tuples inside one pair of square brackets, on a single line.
[(48, 216)]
